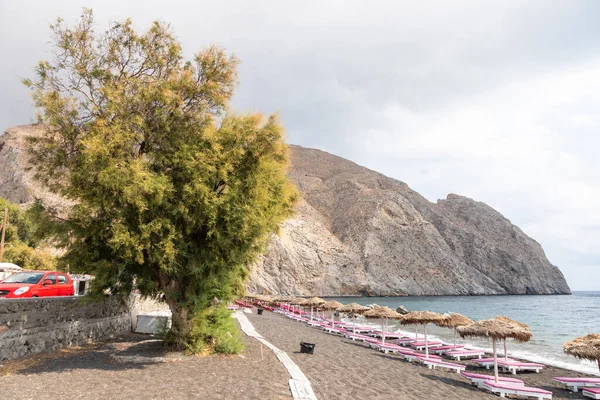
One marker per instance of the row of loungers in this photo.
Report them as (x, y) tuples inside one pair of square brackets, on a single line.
[(590, 387)]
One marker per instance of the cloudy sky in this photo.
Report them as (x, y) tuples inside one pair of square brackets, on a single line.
[(497, 101)]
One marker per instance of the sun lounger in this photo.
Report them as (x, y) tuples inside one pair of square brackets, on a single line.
[(515, 366), (440, 350), (432, 363), (410, 357), (403, 341), (420, 345), (458, 354), (574, 384), (388, 335), (359, 337), (362, 329), (503, 389), (478, 379), (487, 362), (388, 347), (593, 393), (335, 331)]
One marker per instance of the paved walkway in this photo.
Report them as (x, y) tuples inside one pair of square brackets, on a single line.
[(299, 384)]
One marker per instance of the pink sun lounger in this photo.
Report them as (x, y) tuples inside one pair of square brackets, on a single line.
[(335, 331), (403, 341), (414, 356), (574, 384), (432, 363), (593, 393), (388, 347), (388, 335), (515, 366), (488, 362), (420, 345), (458, 354), (478, 379), (503, 389), (439, 350)]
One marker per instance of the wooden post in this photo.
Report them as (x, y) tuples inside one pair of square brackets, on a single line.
[(3, 232)]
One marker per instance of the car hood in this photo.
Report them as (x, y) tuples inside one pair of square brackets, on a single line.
[(13, 286)]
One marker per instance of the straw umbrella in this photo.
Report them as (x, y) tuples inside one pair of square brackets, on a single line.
[(332, 306), (353, 308), (495, 329), (511, 321), (453, 321), (383, 313), (586, 347), (314, 302), (422, 318), (299, 301)]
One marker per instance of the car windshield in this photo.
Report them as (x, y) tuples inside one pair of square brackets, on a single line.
[(24, 277)]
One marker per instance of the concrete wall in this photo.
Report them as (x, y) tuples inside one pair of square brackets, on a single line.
[(29, 326)]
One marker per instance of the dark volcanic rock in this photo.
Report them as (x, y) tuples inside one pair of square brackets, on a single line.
[(359, 232)]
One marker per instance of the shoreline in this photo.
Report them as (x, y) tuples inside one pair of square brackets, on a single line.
[(341, 368)]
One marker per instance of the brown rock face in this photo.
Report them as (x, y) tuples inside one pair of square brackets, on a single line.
[(359, 232)]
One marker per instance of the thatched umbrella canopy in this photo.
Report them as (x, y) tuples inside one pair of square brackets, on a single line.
[(422, 318), (516, 323), (354, 309), (495, 329), (314, 302), (586, 347), (453, 321), (332, 306), (383, 313)]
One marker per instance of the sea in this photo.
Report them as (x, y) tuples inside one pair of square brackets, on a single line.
[(553, 320)]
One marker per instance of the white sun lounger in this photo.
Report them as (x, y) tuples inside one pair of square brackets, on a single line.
[(478, 379), (433, 364), (410, 357), (420, 345), (458, 354), (389, 348), (574, 384), (515, 366), (503, 389), (440, 350), (593, 393), (335, 331), (488, 362)]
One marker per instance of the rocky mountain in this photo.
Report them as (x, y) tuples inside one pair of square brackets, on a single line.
[(359, 232)]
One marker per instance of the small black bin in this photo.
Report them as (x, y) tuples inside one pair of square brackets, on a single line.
[(308, 348), (260, 310)]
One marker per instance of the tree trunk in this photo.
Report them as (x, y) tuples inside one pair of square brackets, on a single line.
[(181, 324)]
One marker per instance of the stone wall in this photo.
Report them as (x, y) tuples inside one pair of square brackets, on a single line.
[(29, 326)]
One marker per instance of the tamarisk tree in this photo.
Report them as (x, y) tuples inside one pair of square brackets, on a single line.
[(169, 190)]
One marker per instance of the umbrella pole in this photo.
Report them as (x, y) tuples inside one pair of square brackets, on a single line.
[(426, 347), (455, 337), (495, 360), (311, 312), (382, 332), (417, 332), (505, 355), (354, 323)]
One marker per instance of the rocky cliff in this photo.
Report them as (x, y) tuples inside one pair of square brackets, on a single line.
[(359, 232)]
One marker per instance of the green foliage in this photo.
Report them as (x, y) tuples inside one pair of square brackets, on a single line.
[(23, 239), (29, 258), (21, 225), (168, 187), (216, 327)]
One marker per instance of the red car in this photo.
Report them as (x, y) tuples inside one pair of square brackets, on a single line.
[(36, 284)]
